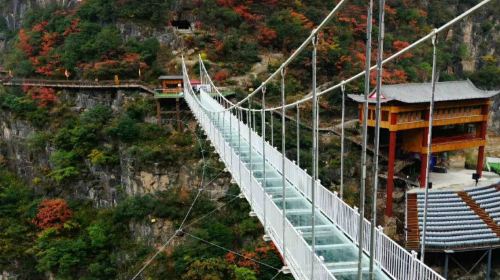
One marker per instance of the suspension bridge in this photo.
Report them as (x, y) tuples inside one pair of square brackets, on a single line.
[(318, 235)]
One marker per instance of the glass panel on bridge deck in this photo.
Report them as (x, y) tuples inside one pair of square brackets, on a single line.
[(292, 203), (277, 192), (303, 219)]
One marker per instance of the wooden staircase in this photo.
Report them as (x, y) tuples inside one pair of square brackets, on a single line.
[(412, 227), (480, 212)]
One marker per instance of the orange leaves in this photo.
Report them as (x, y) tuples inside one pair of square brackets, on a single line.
[(48, 42), (266, 35), (24, 44), (247, 259), (131, 57), (303, 19), (389, 10), (40, 26), (44, 96), (52, 213), (221, 75), (389, 76), (225, 3), (244, 12), (219, 46), (399, 45), (73, 28)]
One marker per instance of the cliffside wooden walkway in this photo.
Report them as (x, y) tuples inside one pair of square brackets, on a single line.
[(126, 84)]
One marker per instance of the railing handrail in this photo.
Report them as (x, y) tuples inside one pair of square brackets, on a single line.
[(390, 262)]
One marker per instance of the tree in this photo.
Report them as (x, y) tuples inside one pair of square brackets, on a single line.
[(209, 269), (52, 213)]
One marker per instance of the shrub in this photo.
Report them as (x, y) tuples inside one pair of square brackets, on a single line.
[(52, 213)]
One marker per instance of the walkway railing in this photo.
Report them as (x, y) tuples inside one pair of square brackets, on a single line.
[(298, 252), (393, 259), (79, 84)]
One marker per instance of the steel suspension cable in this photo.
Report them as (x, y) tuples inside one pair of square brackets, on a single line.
[(380, 54), (314, 152), (435, 77), (230, 251), (284, 65), (385, 61), (365, 140)]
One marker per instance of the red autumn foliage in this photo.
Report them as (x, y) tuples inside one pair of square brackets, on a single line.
[(39, 27), (225, 3), (219, 46), (52, 213), (244, 12), (399, 45), (48, 42), (389, 76), (303, 19), (24, 44), (266, 35), (222, 75), (131, 57), (44, 96), (247, 259), (73, 28)]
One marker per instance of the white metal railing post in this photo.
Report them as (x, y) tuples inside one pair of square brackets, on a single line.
[(283, 152), (231, 133), (429, 144), (342, 144), (394, 260), (365, 139), (249, 124), (264, 179), (239, 143), (222, 132), (314, 150), (272, 128), (380, 58), (298, 135)]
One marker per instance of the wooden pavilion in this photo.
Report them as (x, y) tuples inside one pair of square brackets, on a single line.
[(460, 121)]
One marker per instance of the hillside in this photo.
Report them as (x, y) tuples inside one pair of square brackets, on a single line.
[(91, 185)]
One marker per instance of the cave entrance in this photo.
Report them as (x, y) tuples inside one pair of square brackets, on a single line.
[(181, 24)]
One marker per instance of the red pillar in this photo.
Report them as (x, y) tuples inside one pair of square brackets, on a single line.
[(482, 133), (423, 169), (390, 173), (480, 161), (158, 112)]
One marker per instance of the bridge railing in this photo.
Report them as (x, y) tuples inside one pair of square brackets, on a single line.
[(298, 253), (79, 83), (393, 259)]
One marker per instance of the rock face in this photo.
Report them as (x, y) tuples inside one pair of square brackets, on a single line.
[(495, 116), (103, 185), (166, 36), (13, 11)]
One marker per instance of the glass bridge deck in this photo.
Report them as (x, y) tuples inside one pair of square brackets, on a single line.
[(340, 254)]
